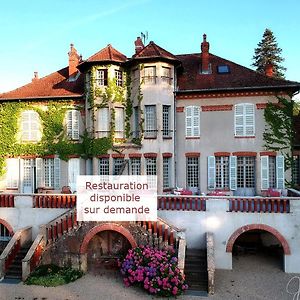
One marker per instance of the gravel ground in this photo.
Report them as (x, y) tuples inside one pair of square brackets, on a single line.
[(253, 277)]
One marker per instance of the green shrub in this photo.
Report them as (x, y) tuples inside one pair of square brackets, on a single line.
[(52, 275)]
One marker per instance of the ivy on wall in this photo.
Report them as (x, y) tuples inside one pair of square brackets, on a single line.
[(52, 114), (279, 133)]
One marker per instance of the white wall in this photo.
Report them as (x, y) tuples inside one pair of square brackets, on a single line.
[(223, 224), (23, 215)]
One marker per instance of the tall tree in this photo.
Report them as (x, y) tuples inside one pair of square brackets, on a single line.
[(268, 52)]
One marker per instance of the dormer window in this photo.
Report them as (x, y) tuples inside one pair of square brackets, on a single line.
[(223, 69), (119, 77), (101, 77)]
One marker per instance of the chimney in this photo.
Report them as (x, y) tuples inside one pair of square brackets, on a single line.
[(35, 76), (139, 45), (205, 67), (269, 70), (74, 60)]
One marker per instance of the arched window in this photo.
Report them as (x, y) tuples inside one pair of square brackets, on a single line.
[(30, 126), (244, 119), (73, 124), (192, 121)]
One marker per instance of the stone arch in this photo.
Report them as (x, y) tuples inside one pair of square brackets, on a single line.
[(103, 227), (8, 226), (264, 227)]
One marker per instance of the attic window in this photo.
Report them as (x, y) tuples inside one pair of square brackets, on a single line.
[(223, 69)]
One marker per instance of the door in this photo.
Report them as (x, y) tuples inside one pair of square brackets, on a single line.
[(245, 176), (28, 176)]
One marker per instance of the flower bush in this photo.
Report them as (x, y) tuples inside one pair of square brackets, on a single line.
[(155, 270)]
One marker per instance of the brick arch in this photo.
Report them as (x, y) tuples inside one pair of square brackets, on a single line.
[(8, 226), (103, 227), (267, 228)]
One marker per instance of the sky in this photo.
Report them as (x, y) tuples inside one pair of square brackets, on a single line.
[(35, 35)]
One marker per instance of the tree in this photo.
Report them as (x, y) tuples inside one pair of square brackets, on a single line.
[(268, 52)]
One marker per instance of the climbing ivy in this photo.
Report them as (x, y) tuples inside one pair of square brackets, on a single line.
[(279, 133)]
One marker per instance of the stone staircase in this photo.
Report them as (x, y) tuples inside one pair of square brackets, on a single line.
[(196, 270), (15, 269)]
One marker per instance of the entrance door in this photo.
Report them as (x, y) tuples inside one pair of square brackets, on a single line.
[(245, 176), (28, 176)]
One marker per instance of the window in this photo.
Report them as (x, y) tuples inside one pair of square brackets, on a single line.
[(151, 170), (119, 77), (222, 172), (4, 234), (272, 172), (118, 166), (136, 125), (245, 172), (30, 123), (119, 125), (166, 172), (223, 69), (166, 75), (296, 169), (150, 121), (12, 173), (244, 124), (48, 173), (135, 166), (192, 172), (166, 120), (103, 166), (103, 122), (192, 121), (101, 77), (73, 124), (149, 75)]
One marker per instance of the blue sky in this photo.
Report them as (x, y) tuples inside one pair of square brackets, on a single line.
[(36, 35)]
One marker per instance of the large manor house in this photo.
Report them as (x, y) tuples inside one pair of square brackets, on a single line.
[(195, 120)]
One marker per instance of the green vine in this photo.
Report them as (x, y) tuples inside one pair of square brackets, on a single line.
[(279, 133)]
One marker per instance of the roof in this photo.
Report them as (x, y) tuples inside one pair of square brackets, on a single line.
[(239, 77), (53, 85), (109, 53), (154, 51)]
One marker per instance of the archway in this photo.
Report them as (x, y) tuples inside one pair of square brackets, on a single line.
[(258, 243), (104, 245), (6, 233)]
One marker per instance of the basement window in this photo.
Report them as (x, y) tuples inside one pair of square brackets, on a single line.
[(223, 69)]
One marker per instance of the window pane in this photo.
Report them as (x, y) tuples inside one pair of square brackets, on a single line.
[(119, 117), (150, 75), (150, 121), (222, 172), (135, 165), (166, 172), (166, 120), (118, 163), (49, 172), (193, 172), (246, 172), (103, 166)]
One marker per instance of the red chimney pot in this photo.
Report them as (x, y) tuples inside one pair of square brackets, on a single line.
[(74, 60), (139, 45), (269, 70), (205, 68)]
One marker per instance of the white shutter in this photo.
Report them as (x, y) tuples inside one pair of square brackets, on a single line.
[(103, 122), (188, 121), (249, 120), (280, 171), (73, 172), (56, 173), (211, 172), (69, 123), (12, 173), (264, 172), (196, 121), (119, 122), (233, 172), (239, 120), (75, 125), (39, 180)]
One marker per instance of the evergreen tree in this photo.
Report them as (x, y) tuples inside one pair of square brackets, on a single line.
[(268, 52)]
